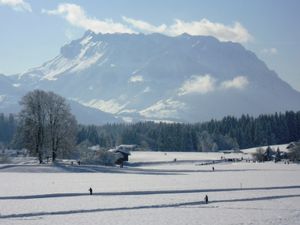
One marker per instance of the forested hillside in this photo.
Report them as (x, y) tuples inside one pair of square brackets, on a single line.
[(8, 126), (228, 133)]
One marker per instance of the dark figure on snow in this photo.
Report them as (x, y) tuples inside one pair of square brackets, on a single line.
[(206, 199), (78, 162), (213, 168), (91, 191)]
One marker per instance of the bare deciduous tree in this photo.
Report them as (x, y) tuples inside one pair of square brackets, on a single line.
[(259, 154), (294, 153), (46, 124)]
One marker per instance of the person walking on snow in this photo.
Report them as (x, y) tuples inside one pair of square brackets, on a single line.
[(91, 191), (206, 199)]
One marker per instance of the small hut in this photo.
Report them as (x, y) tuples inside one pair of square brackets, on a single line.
[(123, 152)]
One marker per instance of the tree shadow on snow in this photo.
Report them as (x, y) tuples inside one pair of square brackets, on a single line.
[(132, 168), (62, 168)]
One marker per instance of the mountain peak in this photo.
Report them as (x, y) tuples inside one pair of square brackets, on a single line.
[(157, 77), (89, 33), (185, 35)]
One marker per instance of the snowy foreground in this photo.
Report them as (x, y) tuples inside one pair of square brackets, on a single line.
[(152, 190)]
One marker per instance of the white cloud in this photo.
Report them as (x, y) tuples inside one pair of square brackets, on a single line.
[(163, 109), (76, 16), (147, 89), (269, 51), (235, 33), (110, 106), (205, 84), (18, 5), (137, 78), (239, 82), (198, 84), (145, 26)]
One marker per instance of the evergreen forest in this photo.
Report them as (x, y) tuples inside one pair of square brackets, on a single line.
[(215, 135)]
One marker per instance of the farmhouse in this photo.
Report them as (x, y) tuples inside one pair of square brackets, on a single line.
[(123, 152), (292, 145)]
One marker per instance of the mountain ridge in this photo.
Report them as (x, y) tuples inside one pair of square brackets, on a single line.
[(155, 77)]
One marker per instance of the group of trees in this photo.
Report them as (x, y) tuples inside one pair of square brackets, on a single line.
[(268, 154), (100, 156), (46, 127), (294, 153), (228, 133), (8, 126)]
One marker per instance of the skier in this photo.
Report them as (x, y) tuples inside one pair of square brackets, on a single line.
[(206, 199), (91, 191)]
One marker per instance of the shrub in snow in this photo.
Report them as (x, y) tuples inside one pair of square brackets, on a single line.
[(294, 153), (259, 155), (4, 159), (99, 157)]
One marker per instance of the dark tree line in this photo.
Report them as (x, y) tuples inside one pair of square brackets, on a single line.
[(228, 133), (8, 126)]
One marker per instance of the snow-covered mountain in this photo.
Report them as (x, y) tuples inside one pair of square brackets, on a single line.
[(156, 77)]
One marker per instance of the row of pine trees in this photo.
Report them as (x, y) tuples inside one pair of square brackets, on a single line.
[(8, 126), (215, 135)]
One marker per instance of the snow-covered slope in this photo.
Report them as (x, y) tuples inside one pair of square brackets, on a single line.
[(10, 94), (155, 77)]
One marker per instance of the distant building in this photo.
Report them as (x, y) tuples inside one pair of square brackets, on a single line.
[(123, 152), (292, 145)]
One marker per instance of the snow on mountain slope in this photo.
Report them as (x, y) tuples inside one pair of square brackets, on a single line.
[(11, 93), (69, 60), (155, 77)]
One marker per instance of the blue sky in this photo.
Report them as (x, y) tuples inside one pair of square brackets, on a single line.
[(32, 31)]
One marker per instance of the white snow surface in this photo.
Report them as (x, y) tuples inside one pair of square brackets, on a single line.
[(109, 106), (152, 189), (59, 65), (86, 40), (282, 148), (163, 109), (16, 85), (2, 98)]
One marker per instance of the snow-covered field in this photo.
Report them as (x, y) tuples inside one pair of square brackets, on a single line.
[(153, 190)]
